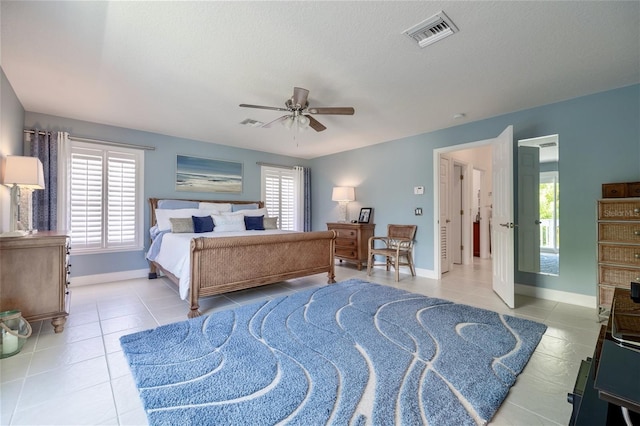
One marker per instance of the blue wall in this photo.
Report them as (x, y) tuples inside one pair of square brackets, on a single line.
[(11, 122), (599, 142)]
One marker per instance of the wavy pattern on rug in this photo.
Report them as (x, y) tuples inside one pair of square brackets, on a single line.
[(351, 353)]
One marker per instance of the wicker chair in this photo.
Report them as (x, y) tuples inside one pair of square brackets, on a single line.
[(397, 245)]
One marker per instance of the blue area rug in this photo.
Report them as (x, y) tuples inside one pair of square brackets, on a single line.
[(351, 353)]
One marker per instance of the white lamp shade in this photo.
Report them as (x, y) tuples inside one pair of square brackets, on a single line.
[(25, 172), (343, 193)]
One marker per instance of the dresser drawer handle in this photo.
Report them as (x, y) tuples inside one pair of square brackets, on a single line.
[(637, 255), (636, 210), (636, 233)]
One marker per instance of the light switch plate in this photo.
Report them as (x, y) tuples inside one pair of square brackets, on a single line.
[(418, 190)]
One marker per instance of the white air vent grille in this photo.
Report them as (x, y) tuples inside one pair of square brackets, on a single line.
[(431, 30)]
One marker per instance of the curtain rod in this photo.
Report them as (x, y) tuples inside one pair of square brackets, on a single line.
[(279, 166), (120, 144)]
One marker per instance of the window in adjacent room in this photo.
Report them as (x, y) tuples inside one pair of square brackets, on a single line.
[(105, 183), (279, 192)]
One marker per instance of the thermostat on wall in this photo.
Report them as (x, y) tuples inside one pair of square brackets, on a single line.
[(418, 190)]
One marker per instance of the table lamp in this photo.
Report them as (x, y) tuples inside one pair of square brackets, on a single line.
[(21, 173)]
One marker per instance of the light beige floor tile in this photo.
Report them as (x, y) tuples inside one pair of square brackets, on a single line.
[(128, 322), (134, 418), (9, 395), (541, 397), (63, 381), (15, 367), (69, 335), (512, 415), (126, 394), (92, 405), (56, 357)]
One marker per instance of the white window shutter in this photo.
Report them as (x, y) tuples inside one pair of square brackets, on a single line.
[(105, 197), (278, 193), (86, 198)]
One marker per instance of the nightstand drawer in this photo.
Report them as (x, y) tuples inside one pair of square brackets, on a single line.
[(346, 252), (346, 243), (346, 233)]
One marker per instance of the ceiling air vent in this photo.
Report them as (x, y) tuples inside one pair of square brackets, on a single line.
[(251, 123), (432, 29)]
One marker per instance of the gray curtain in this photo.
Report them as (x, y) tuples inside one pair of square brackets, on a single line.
[(44, 145), (307, 199)]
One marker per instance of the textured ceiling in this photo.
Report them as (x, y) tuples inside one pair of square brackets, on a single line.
[(182, 68)]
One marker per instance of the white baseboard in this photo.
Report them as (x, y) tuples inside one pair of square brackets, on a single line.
[(107, 278), (426, 273), (557, 295)]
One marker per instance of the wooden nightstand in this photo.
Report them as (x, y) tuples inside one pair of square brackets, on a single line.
[(352, 240), (33, 277)]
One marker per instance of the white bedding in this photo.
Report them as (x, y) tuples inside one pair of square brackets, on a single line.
[(174, 255)]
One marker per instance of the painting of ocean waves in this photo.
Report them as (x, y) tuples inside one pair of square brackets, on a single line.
[(206, 175)]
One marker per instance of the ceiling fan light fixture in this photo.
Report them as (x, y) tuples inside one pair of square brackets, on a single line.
[(288, 122)]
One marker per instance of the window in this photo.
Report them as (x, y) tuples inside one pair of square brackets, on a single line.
[(279, 194), (105, 185)]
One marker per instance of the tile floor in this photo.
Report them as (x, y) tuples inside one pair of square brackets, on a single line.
[(81, 377)]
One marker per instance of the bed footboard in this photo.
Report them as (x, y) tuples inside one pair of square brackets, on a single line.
[(221, 265)]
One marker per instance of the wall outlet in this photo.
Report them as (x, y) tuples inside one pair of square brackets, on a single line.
[(418, 211), (418, 190)]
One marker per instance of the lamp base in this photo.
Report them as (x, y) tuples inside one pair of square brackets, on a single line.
[(14, 234)]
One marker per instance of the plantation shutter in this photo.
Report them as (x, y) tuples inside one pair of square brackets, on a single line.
[(278, 193), (121, 196), (104, 209), (86, 198)]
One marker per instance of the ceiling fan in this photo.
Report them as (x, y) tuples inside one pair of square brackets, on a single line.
[(299, 112)]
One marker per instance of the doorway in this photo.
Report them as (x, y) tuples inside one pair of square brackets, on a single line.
[(498, 195)]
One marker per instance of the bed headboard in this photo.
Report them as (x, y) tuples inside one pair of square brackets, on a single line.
[(153, 203)]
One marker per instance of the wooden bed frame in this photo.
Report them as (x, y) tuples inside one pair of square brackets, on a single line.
[(224, 264)]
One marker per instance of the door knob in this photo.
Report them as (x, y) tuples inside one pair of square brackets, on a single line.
[(507, 225)]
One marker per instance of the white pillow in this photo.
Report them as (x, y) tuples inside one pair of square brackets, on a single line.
[(255, 212), (220, 207), (228, 223), (163, 216)]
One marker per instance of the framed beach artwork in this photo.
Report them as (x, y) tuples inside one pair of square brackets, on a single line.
[(197, 174)]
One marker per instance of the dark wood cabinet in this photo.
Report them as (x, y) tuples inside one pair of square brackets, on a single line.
[(352, 241)]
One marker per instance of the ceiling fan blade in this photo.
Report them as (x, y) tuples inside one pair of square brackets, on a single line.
[(300, 96), (263, 107), (332, 110), (277, 120), (315, 124)]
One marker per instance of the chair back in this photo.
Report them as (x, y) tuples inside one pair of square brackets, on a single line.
[(395, 232)]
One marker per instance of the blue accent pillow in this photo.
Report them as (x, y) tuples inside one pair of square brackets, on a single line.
[(177, 204), (254, 223), (236, 207), (202, 224)]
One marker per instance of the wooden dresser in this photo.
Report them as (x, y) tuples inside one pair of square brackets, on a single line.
[(618, 247), (33, 277), (352, 241)]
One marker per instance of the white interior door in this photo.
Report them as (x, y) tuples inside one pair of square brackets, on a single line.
[(502, 217), (444, 220), (529, 208), (456, 216)]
